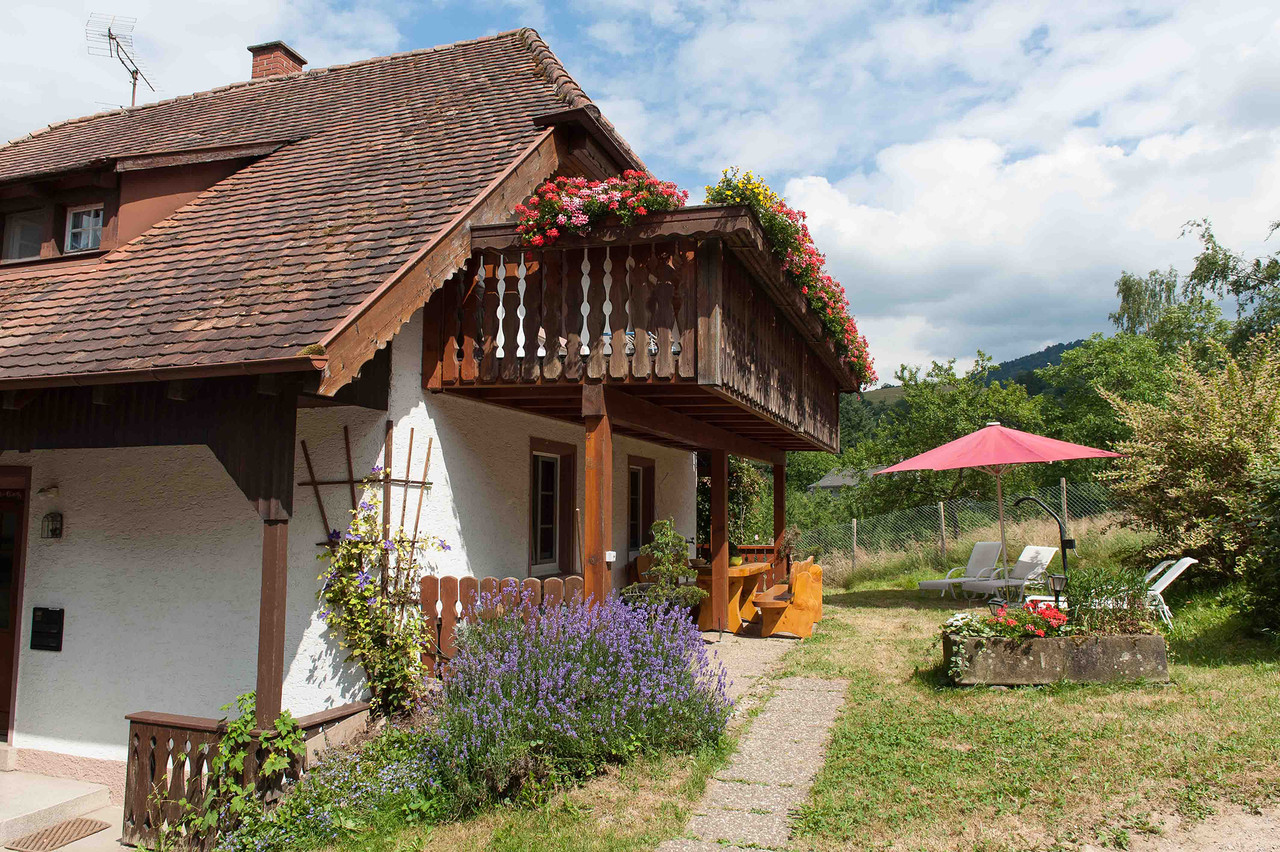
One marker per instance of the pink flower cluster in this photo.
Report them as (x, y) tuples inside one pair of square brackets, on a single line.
[(808, 268), (1033, 619), (574, 205)]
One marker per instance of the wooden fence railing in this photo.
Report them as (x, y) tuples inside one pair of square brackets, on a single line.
[(168, 760), (447, 600)]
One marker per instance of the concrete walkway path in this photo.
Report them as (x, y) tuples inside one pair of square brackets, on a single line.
[(748, 803)]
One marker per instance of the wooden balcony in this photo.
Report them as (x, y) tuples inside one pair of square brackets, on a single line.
[(686, 314)]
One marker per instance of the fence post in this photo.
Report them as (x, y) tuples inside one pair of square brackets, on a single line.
[(853, 551), (942, 528), (1062, 484)]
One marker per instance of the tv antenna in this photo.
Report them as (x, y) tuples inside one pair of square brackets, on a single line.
[(112, 35)]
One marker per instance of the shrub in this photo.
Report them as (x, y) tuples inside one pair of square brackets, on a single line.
[(1261, 600), (1189, 467), (387, 779), (1107, 598), (536, 697)]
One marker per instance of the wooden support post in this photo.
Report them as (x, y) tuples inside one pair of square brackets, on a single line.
[(598, 534), (271, 613), (853, 551), (1062, 484), (942, 528), (719, 599), (779, 521)]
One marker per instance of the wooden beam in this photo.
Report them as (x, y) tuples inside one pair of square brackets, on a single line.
[(719, 600), (271, 613), (598, 511), (628, 410)]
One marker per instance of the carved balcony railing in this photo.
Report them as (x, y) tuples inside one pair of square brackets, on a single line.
[(688, 297)]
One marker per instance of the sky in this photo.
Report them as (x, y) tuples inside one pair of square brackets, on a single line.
[(978, 174)]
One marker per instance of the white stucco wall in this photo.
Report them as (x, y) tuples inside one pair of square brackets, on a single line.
[(158, 569)]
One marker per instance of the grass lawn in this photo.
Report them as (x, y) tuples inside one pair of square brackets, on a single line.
[(916, 764)]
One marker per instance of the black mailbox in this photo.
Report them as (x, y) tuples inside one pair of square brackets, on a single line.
[(46, 628)]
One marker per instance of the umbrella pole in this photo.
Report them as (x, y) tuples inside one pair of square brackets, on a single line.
[(1004, 549)]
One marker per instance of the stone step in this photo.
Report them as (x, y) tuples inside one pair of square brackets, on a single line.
[(29, 803)]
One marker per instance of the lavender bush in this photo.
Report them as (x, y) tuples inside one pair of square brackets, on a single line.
[(536, 697), (553, 698)]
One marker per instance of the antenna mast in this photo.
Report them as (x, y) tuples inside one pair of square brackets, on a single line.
[(112, 35)]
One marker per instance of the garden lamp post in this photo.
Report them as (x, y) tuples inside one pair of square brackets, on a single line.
[(1057, 585), (1067, 543)]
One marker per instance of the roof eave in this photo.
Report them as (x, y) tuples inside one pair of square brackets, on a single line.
[(291, 364)]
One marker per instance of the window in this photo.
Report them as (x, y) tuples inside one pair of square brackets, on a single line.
[(640, 499), (635, 509), (546, 504), (552, 488), (84, 228), (23, 234)]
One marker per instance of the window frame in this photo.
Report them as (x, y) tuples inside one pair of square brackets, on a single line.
[(646, 500), (101, 207), (40, 217), (565, 500)]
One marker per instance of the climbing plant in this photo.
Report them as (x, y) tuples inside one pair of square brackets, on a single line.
[(370, 599)]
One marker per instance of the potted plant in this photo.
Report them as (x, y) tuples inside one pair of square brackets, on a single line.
[(670, 577)]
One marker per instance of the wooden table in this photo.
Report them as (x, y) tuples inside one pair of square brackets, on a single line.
[(743, 580)]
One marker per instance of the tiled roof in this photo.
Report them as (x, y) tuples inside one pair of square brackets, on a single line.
[(384, 153)]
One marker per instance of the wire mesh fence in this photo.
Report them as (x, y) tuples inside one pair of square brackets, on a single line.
[(939, 534)]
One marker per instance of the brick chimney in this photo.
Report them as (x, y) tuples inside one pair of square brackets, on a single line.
[(274, 58)]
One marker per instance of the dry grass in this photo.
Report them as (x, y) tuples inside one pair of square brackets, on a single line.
[(633, 807), (925, 558), (915, 764)]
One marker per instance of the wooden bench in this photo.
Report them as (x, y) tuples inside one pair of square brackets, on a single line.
[(795, 606)]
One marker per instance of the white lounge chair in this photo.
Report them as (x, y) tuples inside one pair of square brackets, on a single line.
[(982, 559), (1011, 583), (1155, 594), (1157, 571)]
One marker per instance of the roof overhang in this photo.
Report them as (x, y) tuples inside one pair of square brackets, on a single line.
[(587, 118), (298, 364)]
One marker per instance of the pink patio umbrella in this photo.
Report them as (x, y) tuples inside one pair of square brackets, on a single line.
[(992, 449)]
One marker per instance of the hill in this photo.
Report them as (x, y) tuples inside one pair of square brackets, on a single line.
[(1014, 369)]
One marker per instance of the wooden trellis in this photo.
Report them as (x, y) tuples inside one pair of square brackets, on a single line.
[(407, 482)]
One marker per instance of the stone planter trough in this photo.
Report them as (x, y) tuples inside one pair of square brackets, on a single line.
[(996, 661)]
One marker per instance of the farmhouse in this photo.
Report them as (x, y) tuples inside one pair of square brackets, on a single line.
[(220, 312)]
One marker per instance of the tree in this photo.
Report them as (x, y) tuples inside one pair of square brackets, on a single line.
[(1254, 284), (1127, 366), (1190, 463), (1143, 301), (1157, 308), (938, 406)]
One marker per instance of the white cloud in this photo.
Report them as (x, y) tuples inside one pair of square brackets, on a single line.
[(979, 173)]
